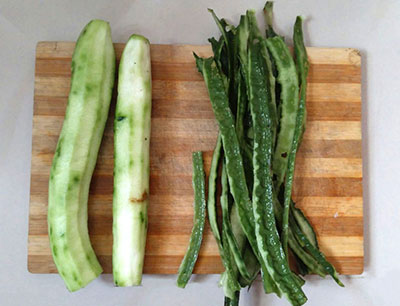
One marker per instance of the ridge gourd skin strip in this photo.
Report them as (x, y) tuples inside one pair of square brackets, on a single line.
[(266, 231), (233, 160), (199, 218)]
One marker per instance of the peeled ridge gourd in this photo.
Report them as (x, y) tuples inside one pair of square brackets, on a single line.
[(93, 73), (131, 162)]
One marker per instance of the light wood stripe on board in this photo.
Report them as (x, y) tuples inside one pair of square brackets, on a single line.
[(183, 53), (160, 245), (312, 206)]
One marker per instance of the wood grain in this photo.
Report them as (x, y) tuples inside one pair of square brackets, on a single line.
[(328, 182)]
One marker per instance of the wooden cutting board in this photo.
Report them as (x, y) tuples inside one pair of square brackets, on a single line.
[(328, 183)]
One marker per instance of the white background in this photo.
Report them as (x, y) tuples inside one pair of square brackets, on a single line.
[(370, 26)]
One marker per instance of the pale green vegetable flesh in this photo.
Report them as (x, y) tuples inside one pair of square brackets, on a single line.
[(93, 72), (131, 162)]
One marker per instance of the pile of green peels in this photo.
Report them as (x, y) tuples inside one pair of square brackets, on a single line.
[(258, 93)]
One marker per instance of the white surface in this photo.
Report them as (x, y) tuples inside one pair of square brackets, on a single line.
[(371, 26)]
